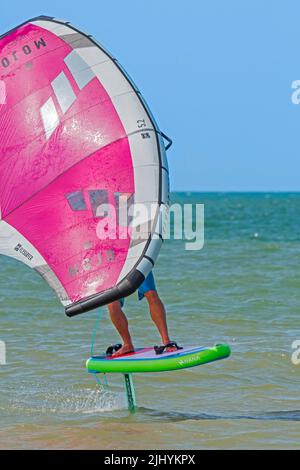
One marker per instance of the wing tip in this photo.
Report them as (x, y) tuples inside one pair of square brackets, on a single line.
[(125, 288)]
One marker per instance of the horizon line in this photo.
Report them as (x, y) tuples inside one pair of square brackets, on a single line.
[(230, 191)]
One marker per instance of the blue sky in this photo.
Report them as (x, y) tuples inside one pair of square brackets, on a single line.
[(216, 74)]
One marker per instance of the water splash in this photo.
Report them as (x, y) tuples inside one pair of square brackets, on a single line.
[(43, 398)]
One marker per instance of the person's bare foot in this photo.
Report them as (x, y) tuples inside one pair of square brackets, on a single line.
[(125, 349), (170, 348)]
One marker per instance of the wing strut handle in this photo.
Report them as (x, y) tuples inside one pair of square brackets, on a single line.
[(170, 141)]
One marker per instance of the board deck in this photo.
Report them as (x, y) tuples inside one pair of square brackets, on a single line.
[(146, 360)]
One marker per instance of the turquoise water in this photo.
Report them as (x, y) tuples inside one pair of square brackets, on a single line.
[(242, 288)]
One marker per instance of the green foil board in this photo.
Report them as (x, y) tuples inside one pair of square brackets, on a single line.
[(145, 360)]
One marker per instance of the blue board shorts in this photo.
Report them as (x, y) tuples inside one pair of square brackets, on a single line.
[(146, 286)]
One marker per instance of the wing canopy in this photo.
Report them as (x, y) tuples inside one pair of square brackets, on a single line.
[(77, 139)]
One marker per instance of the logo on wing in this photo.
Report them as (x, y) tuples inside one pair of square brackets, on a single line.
[(23, 252)]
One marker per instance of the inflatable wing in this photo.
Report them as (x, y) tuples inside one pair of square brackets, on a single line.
[(76, 139)]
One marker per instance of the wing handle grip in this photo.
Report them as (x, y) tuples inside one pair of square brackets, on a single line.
[(170, 141)]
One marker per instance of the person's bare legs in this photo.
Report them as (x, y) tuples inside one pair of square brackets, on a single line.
[(159, 317), (120, 322)]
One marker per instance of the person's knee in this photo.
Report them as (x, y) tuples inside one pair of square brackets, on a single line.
[(152, 296), (115, 308)]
